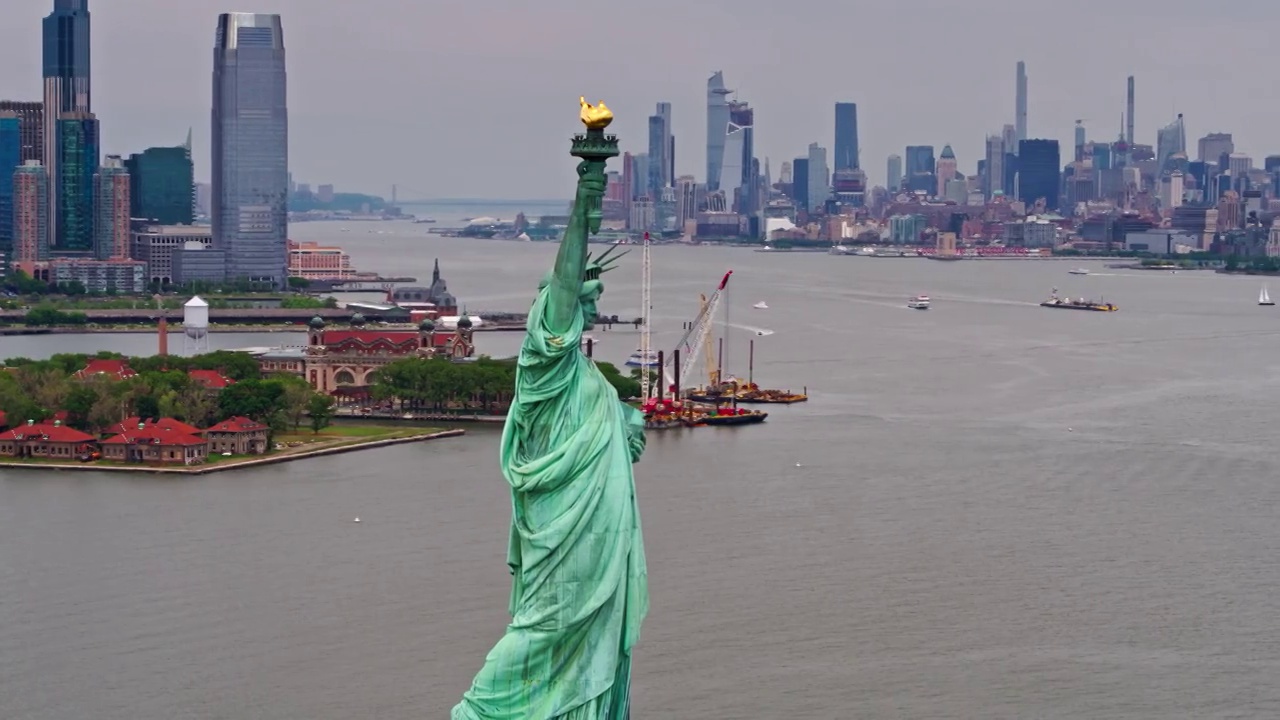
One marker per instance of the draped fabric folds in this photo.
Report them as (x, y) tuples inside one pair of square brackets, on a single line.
[(579, 590)]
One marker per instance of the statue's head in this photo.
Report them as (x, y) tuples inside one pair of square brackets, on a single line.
[(592, 287)]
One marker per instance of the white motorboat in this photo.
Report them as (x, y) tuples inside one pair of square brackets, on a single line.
[(1079, 271), (919, 302), (760, 306)]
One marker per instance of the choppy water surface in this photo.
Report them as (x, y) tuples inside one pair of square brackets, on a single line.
[(989, 510)]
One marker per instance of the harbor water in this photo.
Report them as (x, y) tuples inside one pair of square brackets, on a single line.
[(987, 510)]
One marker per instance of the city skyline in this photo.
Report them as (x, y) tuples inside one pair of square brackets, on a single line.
[(459, 121)]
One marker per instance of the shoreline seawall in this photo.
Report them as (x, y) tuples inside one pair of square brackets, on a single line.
[(234, 464)]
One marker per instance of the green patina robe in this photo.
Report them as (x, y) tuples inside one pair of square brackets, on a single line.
[(580, 589)]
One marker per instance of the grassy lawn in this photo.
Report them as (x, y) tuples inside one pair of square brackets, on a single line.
[(360, 432)]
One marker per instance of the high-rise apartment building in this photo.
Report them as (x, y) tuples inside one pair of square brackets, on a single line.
[(30, 213), (162, 185), (717, 127), (1039, 172), (846, 140), (66, 90), (10, 159), (30, 127), (251, 148), (111, 234), (71, 213)]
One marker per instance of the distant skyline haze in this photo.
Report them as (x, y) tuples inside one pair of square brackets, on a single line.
[(479, 100)]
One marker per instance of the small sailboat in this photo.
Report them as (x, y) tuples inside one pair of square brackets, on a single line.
[(760, 306), (1264, 298)]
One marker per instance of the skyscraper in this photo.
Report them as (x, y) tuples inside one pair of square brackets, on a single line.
[(993, 170), (661, 152), (162, 185), (10, 159), (819, 178), (945, 170), (1170, 140), (800, 183), (1128, 135), (251, 148), (66, 89), (920, 169), (668, 146), (1020, 111), (71, 213), (1039, 172), (739, 171), (846, 146), (111, 210), (653, 183), (717, 127), (30, 213), (894, 179)]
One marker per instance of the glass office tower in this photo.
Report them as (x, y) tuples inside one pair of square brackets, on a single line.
[(251, 148)]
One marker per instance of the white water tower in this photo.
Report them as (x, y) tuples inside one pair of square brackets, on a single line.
[(195, 326)]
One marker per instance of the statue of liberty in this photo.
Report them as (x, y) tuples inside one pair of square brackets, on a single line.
[(579, 592)]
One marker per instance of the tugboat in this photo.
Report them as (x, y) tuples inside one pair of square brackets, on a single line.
[(919, 302), (1081, 304)]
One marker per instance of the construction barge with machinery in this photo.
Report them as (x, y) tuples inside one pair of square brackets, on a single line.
[(665, 401)]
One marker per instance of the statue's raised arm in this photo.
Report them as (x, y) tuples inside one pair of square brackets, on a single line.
[(571, 271)]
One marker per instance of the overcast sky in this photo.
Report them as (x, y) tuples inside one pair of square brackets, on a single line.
[(478, 99)]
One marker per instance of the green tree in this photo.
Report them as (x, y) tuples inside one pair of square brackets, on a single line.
[(259, 400), (235, 365), (296, 398), (320, 408), (79, 405), (146, 406)]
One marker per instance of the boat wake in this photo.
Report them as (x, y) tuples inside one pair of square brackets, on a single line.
[(762, 332)]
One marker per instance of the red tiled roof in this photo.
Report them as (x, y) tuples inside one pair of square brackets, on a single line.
[(118, 369), (154, 435), (369, 338), (131, 424), (46, 431), (236, 425), (210, 378)]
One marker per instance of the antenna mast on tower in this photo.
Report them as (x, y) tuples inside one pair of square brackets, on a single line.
[(647, 387)]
